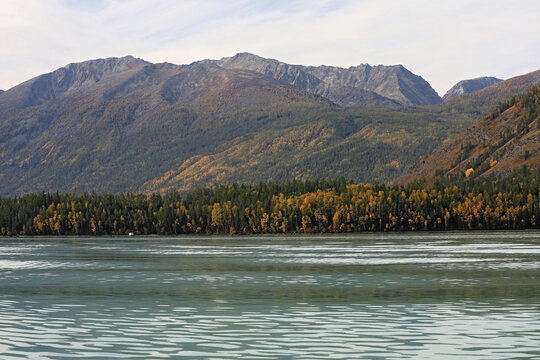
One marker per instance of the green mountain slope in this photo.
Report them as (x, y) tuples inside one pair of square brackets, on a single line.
[(370, 144)]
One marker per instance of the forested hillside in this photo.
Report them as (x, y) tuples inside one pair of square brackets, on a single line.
[(498, 144)]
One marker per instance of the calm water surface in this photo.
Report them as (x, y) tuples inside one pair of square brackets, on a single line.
[(419, 296)]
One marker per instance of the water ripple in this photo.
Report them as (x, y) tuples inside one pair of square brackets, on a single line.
[(373, 296)]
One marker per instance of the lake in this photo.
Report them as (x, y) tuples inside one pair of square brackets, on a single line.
[(454, 295)]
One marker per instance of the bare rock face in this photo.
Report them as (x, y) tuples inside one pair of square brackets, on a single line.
[(355, 86), (469, 86)]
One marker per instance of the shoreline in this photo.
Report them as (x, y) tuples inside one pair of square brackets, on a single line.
[(272, 235)]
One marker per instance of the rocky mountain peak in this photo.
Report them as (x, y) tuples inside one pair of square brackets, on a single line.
[(75, 78), (245, 56), (248, 61), (469, 86), (75, 75), (354, 86)]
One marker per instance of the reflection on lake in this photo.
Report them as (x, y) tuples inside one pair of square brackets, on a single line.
[(370, 296)]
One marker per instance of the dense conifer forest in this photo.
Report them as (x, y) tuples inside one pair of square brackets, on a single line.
[(294, 207)]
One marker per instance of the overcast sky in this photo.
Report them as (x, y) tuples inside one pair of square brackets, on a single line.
[(442, 41)]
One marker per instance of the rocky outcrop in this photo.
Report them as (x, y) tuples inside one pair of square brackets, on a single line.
[(469, 86), (357, 85)]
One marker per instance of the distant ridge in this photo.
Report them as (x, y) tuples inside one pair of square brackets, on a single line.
[(355, 86), (469, 86), (485, 99)]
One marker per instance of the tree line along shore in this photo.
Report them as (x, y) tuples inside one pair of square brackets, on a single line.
[(321, 206)]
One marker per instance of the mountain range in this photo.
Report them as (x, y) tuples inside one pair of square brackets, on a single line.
[(125, 124)]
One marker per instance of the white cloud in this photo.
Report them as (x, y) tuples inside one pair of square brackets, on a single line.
[(443, 41)]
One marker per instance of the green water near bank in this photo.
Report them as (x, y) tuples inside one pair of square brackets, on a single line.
[(374, 296)]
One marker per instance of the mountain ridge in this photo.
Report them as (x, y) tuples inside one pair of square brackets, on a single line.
[(391, 85)]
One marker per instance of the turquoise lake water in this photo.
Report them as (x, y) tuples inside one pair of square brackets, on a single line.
[(368, 296)]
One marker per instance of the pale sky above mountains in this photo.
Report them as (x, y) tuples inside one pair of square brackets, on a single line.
[(442, 41)]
